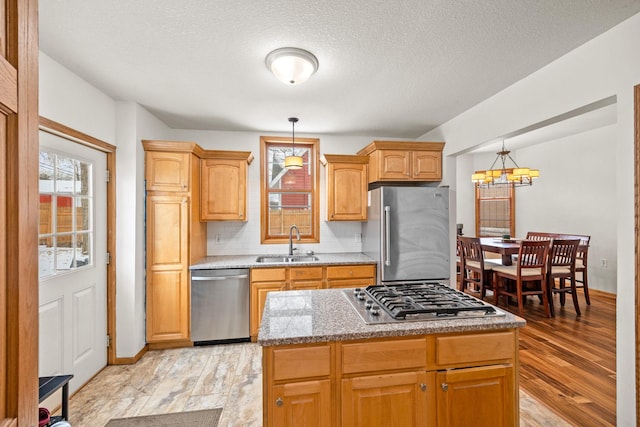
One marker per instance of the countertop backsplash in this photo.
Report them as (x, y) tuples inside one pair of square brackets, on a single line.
[(239, 238)]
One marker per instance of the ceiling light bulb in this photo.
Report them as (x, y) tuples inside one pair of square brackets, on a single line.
[(292, 65)]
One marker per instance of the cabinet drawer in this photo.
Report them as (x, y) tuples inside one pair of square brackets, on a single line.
[(268, 274), (474, 349), (351, 271), (384, 355), (305, 273), (303, 362)]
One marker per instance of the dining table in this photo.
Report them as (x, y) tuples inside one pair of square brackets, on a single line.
[(505, 247)]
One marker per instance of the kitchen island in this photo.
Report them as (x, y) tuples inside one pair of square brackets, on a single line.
[(322, 365)]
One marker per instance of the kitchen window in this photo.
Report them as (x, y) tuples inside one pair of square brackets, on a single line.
[(289, 197)]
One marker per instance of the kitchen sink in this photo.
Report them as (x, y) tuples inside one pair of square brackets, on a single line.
[(287, 258)]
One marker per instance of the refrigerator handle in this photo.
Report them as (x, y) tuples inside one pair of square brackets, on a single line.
[(387, 235)]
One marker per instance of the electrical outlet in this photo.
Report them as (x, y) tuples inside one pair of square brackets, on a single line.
[(604, 263), (218, 239), (358, 238)]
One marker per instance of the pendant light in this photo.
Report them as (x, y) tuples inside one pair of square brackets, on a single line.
[(293, 161), (503, 175)]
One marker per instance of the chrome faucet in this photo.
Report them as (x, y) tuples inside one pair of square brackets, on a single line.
[(291, 237)]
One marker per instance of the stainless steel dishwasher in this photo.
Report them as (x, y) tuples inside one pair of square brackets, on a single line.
[(219, 306)]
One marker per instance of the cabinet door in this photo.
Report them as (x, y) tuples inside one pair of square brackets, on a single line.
[(167, 306), (395, 165), (302, 404), (477, 397), (259, 291), (167, 299), (301, 278), (223, 196), (347, 192), (400, 399), (427, 165), (351, 276), (165, 171)]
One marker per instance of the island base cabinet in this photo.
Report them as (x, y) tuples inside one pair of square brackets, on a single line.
[(490, 389), (402, 399), (302, 404)]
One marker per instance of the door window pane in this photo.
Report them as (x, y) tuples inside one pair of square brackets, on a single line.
[(66, 214)]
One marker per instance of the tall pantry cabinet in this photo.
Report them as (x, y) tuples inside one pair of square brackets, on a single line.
[(175, 238)]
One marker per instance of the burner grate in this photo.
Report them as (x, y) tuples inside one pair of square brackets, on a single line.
[(401, 301)]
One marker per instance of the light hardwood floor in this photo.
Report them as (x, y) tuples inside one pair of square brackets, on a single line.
[(567, 362)]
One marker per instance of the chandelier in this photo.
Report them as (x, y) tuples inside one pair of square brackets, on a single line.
[(293, 161), (516, 176)]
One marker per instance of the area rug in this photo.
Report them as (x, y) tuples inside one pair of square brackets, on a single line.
[(208, 417)]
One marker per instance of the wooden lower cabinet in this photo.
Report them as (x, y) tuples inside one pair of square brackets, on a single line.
[(302, 404), (397, 381), (351, 276), (270, 279), (490, 388), (401, 399), (263, 281)]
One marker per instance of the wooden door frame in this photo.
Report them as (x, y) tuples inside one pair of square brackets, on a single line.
[(636, 178), (58, 129)]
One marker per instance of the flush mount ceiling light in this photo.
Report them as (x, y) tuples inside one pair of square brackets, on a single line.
[(291, 65), (503, 175), (293, 161)]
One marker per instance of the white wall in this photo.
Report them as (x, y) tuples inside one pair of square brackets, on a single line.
[(133, 123), (244, 237), (66, 98), (607, 65)]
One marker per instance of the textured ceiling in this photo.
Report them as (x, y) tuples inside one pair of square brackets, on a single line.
[(388, 68)]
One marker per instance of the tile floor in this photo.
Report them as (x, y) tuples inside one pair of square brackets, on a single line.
[(223, 376)]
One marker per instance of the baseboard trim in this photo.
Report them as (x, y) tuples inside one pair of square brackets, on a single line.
[(169, 344), (131, 360)]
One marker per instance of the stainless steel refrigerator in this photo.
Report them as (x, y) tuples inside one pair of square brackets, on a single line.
[(407, 233)]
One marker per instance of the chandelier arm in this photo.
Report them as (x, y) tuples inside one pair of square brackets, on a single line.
[(514, 162), (494, 162)]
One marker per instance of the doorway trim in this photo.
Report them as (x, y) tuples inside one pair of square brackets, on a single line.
[(636, 202), (58, 129)]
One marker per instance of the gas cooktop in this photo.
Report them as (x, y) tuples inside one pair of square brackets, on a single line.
[(402, 302)]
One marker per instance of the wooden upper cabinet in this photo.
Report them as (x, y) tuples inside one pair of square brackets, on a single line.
[(224, 186), (395, 161), (168, 165), (347, 178)]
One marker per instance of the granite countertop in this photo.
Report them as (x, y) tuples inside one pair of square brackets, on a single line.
[(296, 317), (249, 261)]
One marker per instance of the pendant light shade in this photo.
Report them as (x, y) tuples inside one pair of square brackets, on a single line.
[(516, 176), (292, 65), (293, 161)]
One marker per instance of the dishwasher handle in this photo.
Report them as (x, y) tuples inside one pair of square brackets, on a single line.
[(241, 276)]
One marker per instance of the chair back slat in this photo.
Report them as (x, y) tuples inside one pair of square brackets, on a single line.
[(563, 253), (534, 235), (471, 249), (533, 254)]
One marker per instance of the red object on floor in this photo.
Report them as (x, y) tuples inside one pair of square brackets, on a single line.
[(44, 416)]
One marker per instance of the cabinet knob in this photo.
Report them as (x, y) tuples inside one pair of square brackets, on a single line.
[(423, 387), (444, 386), (240, 215), (279, 402)]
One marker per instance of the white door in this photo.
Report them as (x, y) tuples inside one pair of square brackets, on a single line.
[(72, 260)]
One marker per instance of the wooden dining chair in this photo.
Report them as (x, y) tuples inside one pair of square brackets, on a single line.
[(526, 277), (582, 256), (473, 270), (562, 266)]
